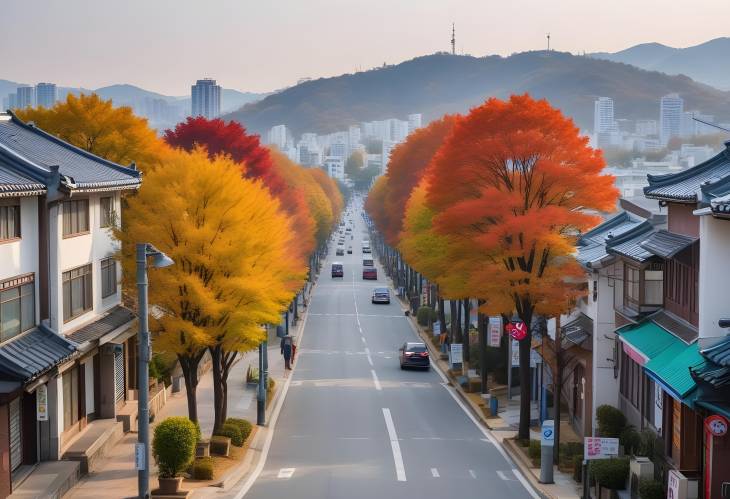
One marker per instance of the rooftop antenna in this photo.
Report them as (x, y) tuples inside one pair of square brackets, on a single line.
[(453, 39), (548, 39)]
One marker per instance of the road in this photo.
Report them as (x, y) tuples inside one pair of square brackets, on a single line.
[(354, 425)]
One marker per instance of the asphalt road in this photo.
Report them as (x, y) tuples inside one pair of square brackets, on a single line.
[(354, 425)]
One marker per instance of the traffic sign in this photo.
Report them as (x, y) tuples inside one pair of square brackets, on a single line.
[(548, 433), (518, 331)]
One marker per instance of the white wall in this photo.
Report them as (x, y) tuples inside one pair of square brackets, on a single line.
[(605, 385), (714, 278), (89, 384)]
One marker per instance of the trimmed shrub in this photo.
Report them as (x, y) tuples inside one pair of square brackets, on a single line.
[(425, 314), (611, 421), (534, 451), (220, 445), (202, 468), (173, 445), (611, 473), (648, 444), (231, 431), (578, 468), (243, 425), (650, 489), (571, 449), (631, 440)]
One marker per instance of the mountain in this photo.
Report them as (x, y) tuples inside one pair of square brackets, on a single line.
[(441, 83), (129, 93), (706, 62)]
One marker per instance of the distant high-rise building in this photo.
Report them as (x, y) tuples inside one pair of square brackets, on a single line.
[(414, 122), (603, 120), (279, 136), (46, 94), (671, 108), (10, 102), (645, 128), (25, 97), (692, 127), (206, 98)]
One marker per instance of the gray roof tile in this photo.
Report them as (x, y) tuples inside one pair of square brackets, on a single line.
[(666, 244), (33, 353), (592, 244), (117, 317), (627, 244), (13, 183)]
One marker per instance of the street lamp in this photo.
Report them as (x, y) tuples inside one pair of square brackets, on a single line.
[(142, 450)]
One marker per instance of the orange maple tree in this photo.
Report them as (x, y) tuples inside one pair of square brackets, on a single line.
[(512, 186)]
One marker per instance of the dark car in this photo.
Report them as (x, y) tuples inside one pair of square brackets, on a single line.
[(381, 295), (370, 273), (414, 355), (340, 251), (337, 270), (349, 250)]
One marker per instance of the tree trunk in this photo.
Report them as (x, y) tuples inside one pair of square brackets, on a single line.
[(481, 327), (189, 366), (557, 386), (467, 342), (454, 322), (525, 380), (442, 312), (216, 354)]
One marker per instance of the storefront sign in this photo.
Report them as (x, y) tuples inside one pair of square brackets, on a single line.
[(41, 401), (600, 448), (677, 426), (436, 328), (518, 330), (494, 333), (716, 425), (676, 485), (457, 353)]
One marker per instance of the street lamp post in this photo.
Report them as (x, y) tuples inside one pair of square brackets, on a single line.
[(142, 450)]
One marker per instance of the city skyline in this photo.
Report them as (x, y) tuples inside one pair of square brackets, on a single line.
[(75, 62)]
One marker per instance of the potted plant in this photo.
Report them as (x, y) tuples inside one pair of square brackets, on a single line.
[(173, 448)]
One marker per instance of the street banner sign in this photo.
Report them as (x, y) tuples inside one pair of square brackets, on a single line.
[(548, 433), (41, 397), (457, 353), (140, 459), (515, 353), (436, 328), (494, 333), (600, 448)]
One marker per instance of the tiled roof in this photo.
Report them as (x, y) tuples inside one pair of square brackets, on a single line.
[(117, 317), (35, 153), (592, 244), (719, 353), (13, 183), (627, 244), (684, 187), (33, 353), (678, 327), (578, 330), (666, 244)]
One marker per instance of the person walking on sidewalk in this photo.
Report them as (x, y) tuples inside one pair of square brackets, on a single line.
[(286, 350)]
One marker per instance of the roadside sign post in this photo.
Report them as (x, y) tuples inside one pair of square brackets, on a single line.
[(596, 448), (547, 443)]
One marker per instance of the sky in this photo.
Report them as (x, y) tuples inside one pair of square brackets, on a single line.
[(264, 45)]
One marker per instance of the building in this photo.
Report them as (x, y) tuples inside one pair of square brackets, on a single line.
[(67, 345), (279, 136), (10, 102), (25, 97), (414, 122), (603, 119), (647, 128), (691, 126), (671, 109), (206, 99), (335, 166), (46, 94)]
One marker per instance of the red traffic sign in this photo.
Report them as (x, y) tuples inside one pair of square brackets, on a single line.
[(716, 425), (517, 330)]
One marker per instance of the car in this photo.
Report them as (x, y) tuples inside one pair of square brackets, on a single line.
[(340, 251), (349, 250), (413, 354), (370, 273), (337, 269), (381, 295), (366, 249), (368, 262)]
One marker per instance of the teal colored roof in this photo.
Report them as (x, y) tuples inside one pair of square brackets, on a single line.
[(671, 367), (648, 338)]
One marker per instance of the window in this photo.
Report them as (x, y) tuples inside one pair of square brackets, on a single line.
[(77, 296), (631, 278), (631, 378), (70, 381), (107, 210), (653, 286), (108, 277), (9, 222), (75, 217), (17, 307)]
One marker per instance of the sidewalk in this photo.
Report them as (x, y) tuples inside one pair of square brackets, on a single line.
[(116, 476)]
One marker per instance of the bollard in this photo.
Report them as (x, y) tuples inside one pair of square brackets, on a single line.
[(494, 406), (547, 443)]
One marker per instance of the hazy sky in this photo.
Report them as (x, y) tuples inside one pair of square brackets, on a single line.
[(261, 45)]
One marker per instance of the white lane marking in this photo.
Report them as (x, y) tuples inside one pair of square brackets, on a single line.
[(525, 483), (375, 380), (370, 359), (363, 338), (435, 473), (296, 383), (354, 438), (400, 470), (472, 473), (286, 473), (272, 422), (503, 476)]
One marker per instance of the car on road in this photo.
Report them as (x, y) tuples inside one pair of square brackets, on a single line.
[(340, 251), (337, 269), (368, 262), (381, 295), (414, 355), (349, 250), (366, 249), (370, 273)]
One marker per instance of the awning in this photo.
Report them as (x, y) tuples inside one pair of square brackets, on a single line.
[(646, 339), (716, 407), (33, 353), (118, 317), (666, 244), (671, 368), (578, 330), (719, 353)]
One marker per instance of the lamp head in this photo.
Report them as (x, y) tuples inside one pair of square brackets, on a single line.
[(160, 260)]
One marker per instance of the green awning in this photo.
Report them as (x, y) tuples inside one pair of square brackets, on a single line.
[(648, 339), (671, 368), (715, 407)]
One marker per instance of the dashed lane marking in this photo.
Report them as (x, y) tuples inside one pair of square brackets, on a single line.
[(286, 473), (400, 470), (435, 473), (376, 380)]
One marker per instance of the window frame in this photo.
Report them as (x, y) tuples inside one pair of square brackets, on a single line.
[(73, 217), (104, 266), (6, 206), (631, 301), (87, 291), (106, 215), (19, 283)]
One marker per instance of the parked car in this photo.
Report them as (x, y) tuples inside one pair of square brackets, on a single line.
[(366, 249), (340, 251), (381, 295), (349, 250), (338, 270), (370, 273), (414, 355)]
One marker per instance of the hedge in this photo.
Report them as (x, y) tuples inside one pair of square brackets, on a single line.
[(611, 421), (650, 489), (611, 473), (243, 425), (231, 431), (202, 468)]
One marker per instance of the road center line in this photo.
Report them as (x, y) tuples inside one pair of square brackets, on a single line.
[(370, 359), (363, 338), (472, 473), (286, 473), (435, 473), (375, 380), (400, 470)]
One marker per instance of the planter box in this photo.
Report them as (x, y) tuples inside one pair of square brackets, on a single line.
[(220, 446), (202, 448)]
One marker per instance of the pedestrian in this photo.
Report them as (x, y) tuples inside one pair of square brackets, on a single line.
[(286, 350), (293, 351)]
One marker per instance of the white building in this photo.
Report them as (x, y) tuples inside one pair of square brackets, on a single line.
[(671, 109), (25, 97), (414, 122), (206, 98), (647, 128), (603, 119), (279, 136), (335, 166), (46, 94), (691, 126)]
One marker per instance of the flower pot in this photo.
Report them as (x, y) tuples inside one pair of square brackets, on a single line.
[(169, 485)]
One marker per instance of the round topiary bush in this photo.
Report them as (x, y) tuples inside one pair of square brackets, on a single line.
[(202, 468), (611, 421), (424, 315), (243, 425), (231, 431), (611, 473), (650, 489), (173, 445)]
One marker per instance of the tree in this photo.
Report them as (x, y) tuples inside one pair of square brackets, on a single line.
[(358, 172), (228, 239), (512, 185), (96, 126)]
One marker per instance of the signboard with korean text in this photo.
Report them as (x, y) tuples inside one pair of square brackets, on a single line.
[(676, 485), (600, 448), (494, 331), (518, 330), (41, 399), (457, 353), (515, 353), (436, 328)]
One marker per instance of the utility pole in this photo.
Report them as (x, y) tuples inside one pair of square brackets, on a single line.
[(453, 39), (548, 39)]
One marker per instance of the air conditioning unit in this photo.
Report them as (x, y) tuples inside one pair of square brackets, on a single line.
[(641, 467)]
